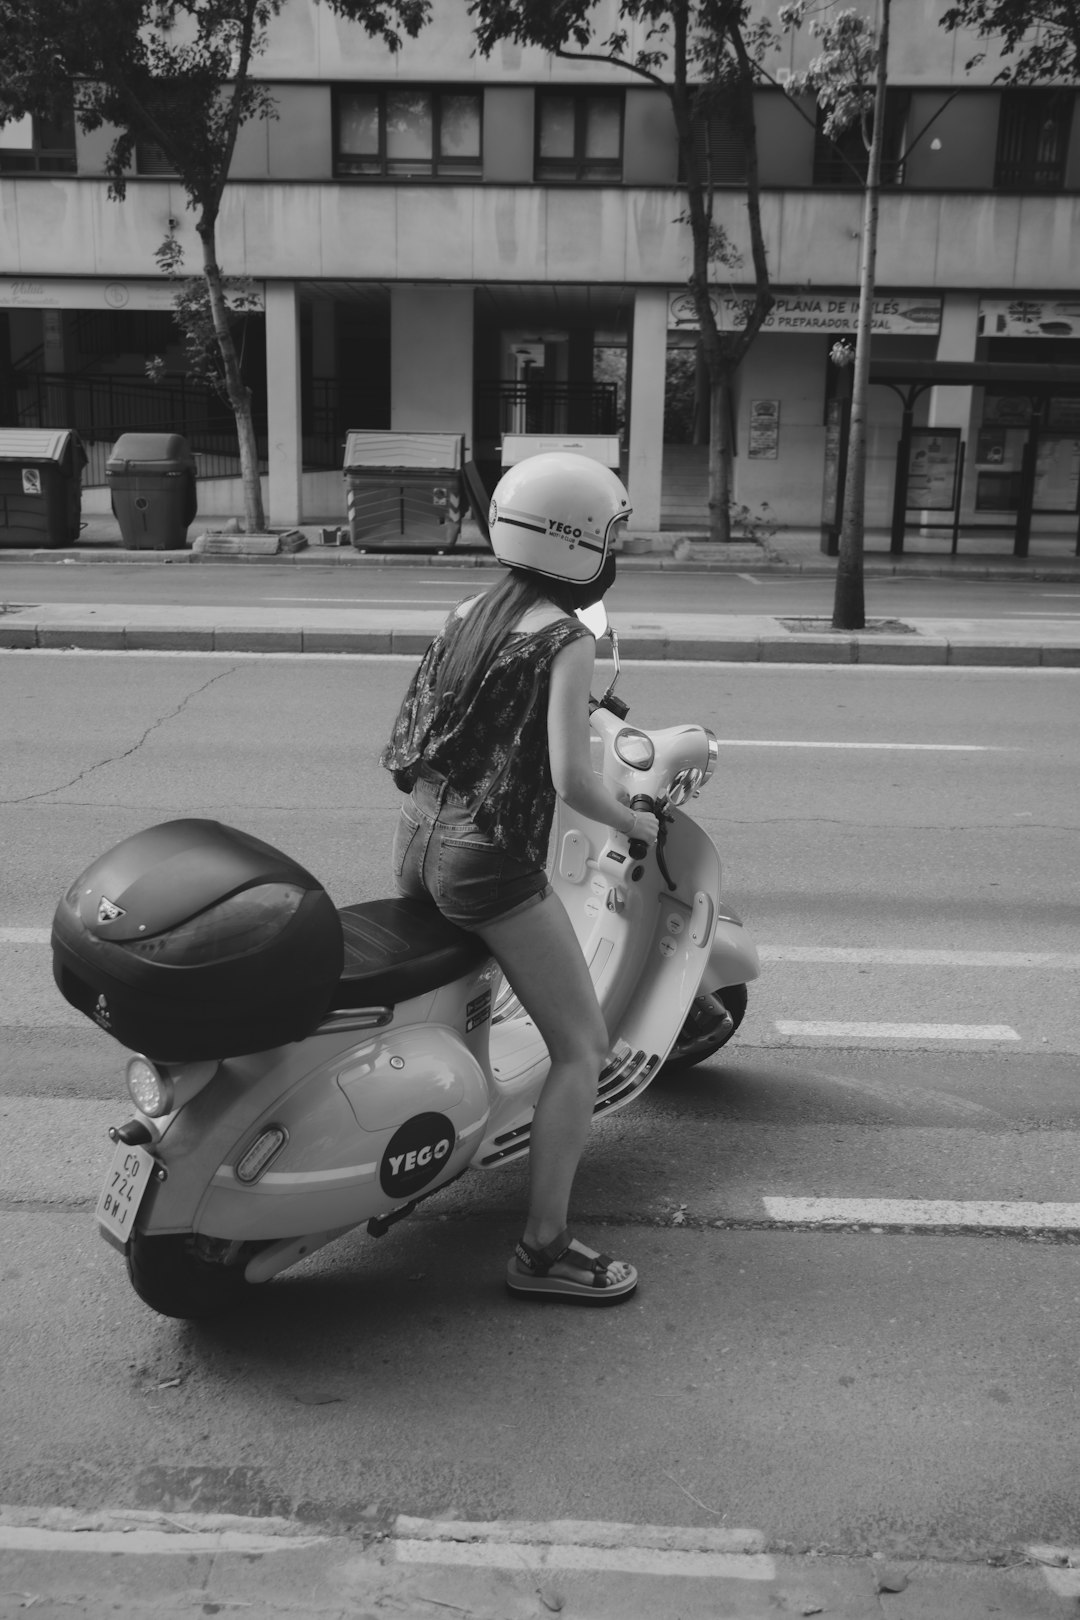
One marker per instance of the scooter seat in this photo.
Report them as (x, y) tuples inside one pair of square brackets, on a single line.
[(396, 949)]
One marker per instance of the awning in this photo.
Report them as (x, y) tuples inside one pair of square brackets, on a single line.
[(1001, 376)]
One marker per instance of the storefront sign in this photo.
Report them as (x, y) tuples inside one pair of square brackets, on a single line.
[(1029, 317), (810, 312), (54, 292)]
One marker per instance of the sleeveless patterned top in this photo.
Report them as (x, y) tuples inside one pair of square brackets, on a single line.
[(494, 753)]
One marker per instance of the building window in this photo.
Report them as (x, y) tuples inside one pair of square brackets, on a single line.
[(843, 160), (414, 131), (579, 135), (721, 152), (38, 146), (1033, 138), (150, 159)]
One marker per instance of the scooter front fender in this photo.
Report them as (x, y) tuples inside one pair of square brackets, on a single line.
[(733, 958)]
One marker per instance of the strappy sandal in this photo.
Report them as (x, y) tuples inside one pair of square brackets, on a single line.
[(529, 1273)]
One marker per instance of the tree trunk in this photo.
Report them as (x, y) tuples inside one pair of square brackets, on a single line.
[(849, 610), (238, 392), (719, 460)]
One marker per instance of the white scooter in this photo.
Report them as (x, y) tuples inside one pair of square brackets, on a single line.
[(418, 1064)]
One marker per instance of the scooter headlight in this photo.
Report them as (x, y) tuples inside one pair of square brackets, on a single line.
[(151, 1090), (635, 748)]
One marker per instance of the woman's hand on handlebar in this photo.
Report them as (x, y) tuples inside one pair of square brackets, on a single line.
[(645, 828)]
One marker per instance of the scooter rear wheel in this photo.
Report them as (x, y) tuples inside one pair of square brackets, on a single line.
[(171, 1277), (705, 1029)]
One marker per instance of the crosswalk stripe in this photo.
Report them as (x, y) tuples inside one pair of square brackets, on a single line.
[(896, 1032), (997, 1214)]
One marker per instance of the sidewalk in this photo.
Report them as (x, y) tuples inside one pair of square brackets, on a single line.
[(146, 1566), (1044, 642)]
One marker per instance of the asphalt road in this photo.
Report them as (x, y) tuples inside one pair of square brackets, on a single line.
[(311, 585), (902, 844)]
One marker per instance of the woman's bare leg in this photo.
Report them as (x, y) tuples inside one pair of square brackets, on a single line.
[(539, 953)]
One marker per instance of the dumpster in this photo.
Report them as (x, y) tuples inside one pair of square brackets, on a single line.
[(40, 486), (404, 491), (151, 479)]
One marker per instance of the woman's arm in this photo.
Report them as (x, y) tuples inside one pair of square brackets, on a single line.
[(568, 745)]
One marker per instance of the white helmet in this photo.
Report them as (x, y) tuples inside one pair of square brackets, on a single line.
[(555, 513)]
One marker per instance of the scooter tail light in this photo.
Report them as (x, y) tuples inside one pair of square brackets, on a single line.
[(261, 1154), (150, 1088), (714, 756)]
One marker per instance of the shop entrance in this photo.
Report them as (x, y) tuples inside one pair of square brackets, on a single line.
[(1025, 462)]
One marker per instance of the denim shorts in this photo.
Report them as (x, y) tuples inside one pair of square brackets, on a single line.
[(440, 854)]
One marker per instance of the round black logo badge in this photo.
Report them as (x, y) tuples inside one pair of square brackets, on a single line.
[(415, 1154)]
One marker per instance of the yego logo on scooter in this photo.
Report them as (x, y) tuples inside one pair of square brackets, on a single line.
[(415, 1154)]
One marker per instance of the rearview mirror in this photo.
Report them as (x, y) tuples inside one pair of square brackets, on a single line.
[(595, 619)]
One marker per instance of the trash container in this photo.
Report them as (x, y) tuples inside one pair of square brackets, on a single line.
[(151, 479), (40, 486), (601, 447), (404, 491)]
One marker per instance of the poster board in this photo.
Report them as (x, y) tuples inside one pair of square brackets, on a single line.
[(763, 440), (933, 470), (1057, 473)]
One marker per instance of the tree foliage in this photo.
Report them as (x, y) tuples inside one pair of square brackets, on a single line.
[(1041, 36), (842, 75), (176, 74), (703, 55)]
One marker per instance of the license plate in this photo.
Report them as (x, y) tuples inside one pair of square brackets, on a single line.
[(126, 1182)]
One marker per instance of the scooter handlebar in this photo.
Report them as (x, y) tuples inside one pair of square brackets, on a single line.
[(638, 848)]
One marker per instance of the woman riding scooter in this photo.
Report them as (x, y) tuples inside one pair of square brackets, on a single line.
[(495, 723)]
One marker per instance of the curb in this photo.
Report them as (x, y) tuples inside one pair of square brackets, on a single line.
[(841, 649), (128, 1566), (740, 558)]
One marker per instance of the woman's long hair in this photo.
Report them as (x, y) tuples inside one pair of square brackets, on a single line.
[(480, 633)]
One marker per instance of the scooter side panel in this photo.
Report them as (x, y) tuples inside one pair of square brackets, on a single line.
[(366, 1135), (328, 1173)]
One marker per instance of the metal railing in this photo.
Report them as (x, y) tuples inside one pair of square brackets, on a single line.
[(545, 407), (101, 408)]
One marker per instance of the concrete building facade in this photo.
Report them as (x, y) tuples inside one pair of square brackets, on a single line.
[(445, 242)]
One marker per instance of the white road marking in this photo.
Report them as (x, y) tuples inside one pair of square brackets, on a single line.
[(1061, 1567), (886, 956), (840, 955), (370, 601), (749, 578), (997, 1214), (30, 1538), (577, 1544), (620, 1560), (907, 747), (895, 1032)]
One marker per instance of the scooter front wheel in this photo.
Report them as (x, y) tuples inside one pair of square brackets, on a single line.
[(170, 1275), (709, 1025)]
